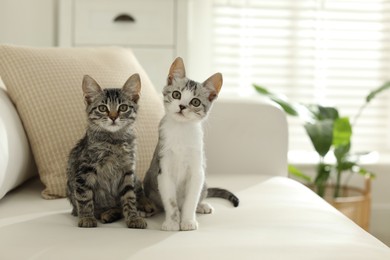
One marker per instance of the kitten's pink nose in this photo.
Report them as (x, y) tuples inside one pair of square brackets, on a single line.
[(182, 107)]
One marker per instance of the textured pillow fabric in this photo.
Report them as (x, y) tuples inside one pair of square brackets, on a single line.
[(45, 86)]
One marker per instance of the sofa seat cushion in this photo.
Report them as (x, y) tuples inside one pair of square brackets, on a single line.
[(45, 86), (277, 218)]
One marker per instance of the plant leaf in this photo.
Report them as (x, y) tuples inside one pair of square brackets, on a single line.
[(322, 113), (323, 173), (346, 165), (363, 171), (298, 173), (291, 108), (287, 107), (341, 152), (321, 135), (279, 99), (261, 90), (376, 91), (356, 156), (342, 131)]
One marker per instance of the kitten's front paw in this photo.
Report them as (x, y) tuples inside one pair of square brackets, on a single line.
[(87, 222), (170, 226), (187, 225), (204, 208), (136, 222)]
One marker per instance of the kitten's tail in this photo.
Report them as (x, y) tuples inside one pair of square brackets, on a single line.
[(224, 194)]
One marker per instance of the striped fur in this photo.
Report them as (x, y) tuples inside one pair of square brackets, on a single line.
[(224, 194), (101, 169)]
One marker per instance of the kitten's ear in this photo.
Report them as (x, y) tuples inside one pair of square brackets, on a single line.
[(90, 89), (213, 84), (132, 87), (177, 70)]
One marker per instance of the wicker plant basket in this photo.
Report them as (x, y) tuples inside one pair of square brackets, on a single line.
[(354, 202)]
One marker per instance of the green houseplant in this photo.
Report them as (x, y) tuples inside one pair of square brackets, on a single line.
[(329, 132)]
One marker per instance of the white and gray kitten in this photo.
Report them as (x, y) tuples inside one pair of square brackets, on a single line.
[(175, 181)]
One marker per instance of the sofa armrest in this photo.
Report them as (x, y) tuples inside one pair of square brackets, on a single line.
[(246, 135), (16, 160)]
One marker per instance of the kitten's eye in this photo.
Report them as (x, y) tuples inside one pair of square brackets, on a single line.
[(195, 102), (176, 94), (123, 108), (103, 108)]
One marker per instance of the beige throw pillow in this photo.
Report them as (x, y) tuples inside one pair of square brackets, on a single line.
[(45, 86)]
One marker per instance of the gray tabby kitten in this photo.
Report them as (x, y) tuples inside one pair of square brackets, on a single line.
[(101, 169), (175, 180)]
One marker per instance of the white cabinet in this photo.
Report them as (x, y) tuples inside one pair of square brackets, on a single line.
[(156, 30)]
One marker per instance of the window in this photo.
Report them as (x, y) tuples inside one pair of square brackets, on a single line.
[(331, 52)]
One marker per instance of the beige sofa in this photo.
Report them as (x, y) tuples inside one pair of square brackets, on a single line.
[(246, 149)]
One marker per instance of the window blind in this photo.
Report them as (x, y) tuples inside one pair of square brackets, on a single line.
[(331, 52)]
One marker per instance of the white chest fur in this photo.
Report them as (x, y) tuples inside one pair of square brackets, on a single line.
[(182, 145), (182, 172), (177, 136)]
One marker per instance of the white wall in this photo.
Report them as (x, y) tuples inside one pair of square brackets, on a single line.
[(28, 22)]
